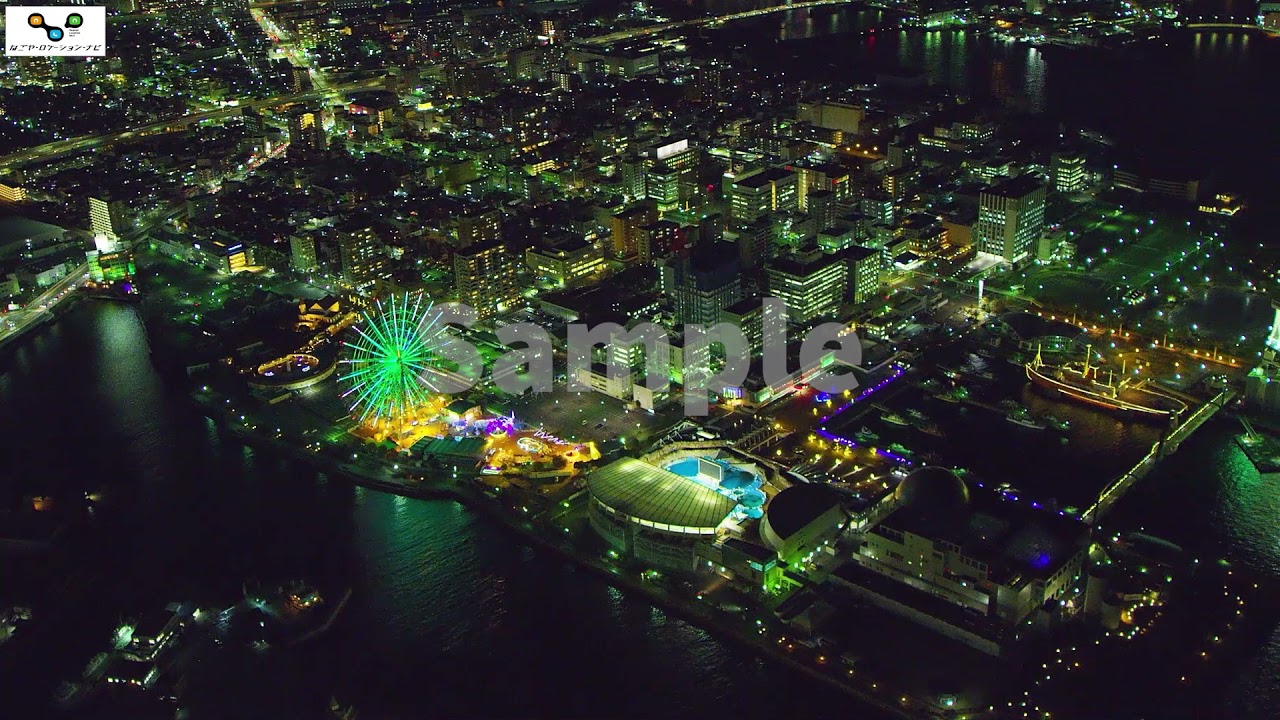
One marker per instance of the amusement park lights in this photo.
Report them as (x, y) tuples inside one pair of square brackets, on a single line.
[(389, 366)]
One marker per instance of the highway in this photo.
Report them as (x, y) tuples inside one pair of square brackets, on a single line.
[(86, 142), (18, 322), (666, 27)]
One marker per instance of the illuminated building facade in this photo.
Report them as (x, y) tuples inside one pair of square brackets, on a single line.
[(364, 260), (654, 515), (12, 193), (1068, 172), (811, 282), (567, 261), (486, 278), (762, 193), (1262, 385), (306, 132), (627, 226), (302, 254), (107, 217), (1011, 218), (1000, 566)]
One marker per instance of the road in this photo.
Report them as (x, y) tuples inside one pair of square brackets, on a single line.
[(36, 311), (666, 27), (87, 142)]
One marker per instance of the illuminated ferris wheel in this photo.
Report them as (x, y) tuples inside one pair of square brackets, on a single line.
[(390, 365)]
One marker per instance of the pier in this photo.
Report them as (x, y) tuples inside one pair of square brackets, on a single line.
[(1167, 446)]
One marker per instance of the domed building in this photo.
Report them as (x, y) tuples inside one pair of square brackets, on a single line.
[(801, 518), (996, 562)]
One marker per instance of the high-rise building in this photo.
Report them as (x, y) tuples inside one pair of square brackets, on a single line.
[(486, 277), (748, 316), (1011, 218), (762, 193), (811, 282), (364, 260), (479, 226), (661, 240), (302, 254), (755, 243), (822, 208), (878, 207), (662, 186), (863, 266), (107, 217), (306, 132), (1068, 172), (627, 226), (704, 284)]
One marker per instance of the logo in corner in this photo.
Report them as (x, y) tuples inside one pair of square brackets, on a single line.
[(52, 31)]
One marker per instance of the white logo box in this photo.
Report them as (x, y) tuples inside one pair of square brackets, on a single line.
[(55, 30)]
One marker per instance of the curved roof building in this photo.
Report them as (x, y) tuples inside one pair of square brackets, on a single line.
[(652, 514), (799, 515), (658, 498)]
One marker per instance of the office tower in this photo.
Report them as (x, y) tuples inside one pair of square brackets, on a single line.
[(1068, 172), (662, 240), (762, 193), (832, 116), (704, 284), (755, 243), (878, 207), (626, 228), (107, 217), (1011, 217), (810, 281), (863, 266), (566, 259), (302, 254), (748, 316), (306, 132), (822, 208), (662, 187), (486, 278)]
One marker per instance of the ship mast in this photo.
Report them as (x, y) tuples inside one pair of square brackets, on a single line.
[(1038, 361), (1088, 354)]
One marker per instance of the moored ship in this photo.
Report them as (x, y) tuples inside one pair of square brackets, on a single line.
[(1084, 383)]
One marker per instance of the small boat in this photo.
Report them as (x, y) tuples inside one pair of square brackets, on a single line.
[(931, 384), (930, 429), (901, 451), (866, 436), (895, 419), (1024, 418), (917, 417)]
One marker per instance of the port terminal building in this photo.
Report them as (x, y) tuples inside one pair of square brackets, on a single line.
[(968, 562)]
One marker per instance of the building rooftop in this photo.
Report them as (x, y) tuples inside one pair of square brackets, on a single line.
[(797, 506), (1015, 187), (1014, 540), (764, 177), (647, 492)]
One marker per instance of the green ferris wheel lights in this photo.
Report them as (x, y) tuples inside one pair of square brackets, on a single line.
[(388, 364)]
